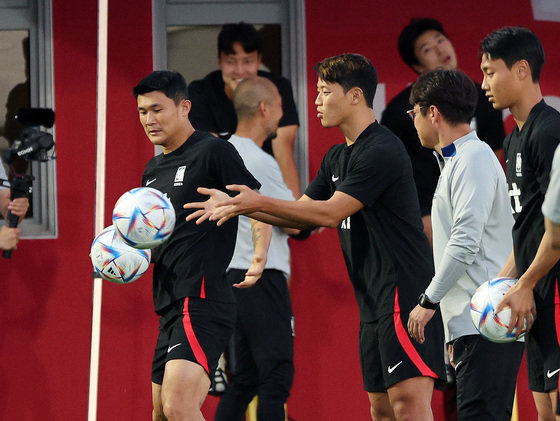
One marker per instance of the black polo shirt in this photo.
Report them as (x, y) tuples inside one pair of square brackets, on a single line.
[(212, 110), (529, 154), (384, 245), (193, 261), (489, 128)]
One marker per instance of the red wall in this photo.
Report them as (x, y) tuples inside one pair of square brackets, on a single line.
[(45, 321)]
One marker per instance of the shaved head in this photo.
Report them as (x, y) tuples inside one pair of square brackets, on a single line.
[(250, 93)]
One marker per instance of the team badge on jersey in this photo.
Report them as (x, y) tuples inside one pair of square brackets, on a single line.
[(179, 176), (518, 165)]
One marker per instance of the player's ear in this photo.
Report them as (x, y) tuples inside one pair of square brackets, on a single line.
[(185, 106), (263, 107), (522, 69), (434, 114), (356, 94)]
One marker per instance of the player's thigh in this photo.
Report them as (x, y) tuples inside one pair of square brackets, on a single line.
[(414, 391), (543, 405), (185, 384)]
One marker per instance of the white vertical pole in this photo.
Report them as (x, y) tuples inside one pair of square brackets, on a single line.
[(99, 202)]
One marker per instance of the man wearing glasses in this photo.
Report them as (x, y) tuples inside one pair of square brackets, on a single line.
[(471, 220)]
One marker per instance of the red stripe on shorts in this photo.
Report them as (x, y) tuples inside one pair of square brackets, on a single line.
[(191, 337), (203, 289), (557, 314), (406, 343)]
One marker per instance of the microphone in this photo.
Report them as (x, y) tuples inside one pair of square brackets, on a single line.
[(36, 117)]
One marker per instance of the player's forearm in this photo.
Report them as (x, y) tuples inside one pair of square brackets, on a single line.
[(299, 214), (544, 261), (448, 273), (261, 234), (509, 269), (278, 222)]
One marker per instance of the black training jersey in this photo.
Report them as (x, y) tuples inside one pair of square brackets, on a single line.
[(529, 154), (193, 261), (489, 128), (384, 245), (212, 111)]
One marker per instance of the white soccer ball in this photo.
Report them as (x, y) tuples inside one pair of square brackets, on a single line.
[(144, 217), (115, 260), (492, 325)]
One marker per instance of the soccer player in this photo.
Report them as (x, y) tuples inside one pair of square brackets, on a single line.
[(263, 337), (424, 46), (364, 188), (471, 221), (239, 56), (192, 296), (511, 62)]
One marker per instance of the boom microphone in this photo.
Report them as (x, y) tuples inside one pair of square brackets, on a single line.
[(36, 117)]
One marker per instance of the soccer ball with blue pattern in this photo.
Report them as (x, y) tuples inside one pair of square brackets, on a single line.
[(490, 324), (115, 260), (144, 217)]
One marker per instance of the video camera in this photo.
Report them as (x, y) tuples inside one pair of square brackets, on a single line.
[(33, 144)]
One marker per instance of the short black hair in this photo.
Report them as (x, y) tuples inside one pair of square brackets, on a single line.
[(172, 84), (349, 71), (451, 91), (512, 44), (410, 34), (241, 32)]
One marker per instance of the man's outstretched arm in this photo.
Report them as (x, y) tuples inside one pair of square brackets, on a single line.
[(299, 214)]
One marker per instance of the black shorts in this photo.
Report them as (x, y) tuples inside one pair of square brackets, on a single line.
[(193, 329), (389, 355), (543, 351), (486, 374), (264, 337)]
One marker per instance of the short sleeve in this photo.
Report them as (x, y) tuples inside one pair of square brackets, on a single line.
[(319, 188), (228, 166), (542, 150)]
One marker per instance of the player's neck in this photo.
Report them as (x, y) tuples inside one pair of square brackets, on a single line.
[(355, 124), (527, 100), (449, 134), (178, 140), (252, 131)]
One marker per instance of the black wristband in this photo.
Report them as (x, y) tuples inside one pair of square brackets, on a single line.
[(424, 302), (303, 234)]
